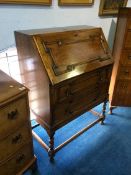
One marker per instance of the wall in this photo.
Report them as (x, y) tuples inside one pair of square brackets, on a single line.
[(17, 17)]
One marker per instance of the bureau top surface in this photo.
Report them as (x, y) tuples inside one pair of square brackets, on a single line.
[(54, 30), (9, 88)]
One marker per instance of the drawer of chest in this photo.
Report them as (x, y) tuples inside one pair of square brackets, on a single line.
[(13, 115), (122, 93), (14, 141), (126, 58), (18, 161), (79, 104), (129, 24), (128, 40), (125, 73), (82, 83)]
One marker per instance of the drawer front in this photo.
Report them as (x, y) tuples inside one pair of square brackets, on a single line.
[(79, 104), (125, 73), (128, 40), (126, 58), (14, 141), (122, 94), (17, 162), (129, 24), (82, 83), (13, 115)]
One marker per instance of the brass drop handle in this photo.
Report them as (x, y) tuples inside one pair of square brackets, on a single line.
[(126, 71), (13, 114), (101, 79), (68, 93), (123, 86), (129, 57), (16, 139), (20, 158)]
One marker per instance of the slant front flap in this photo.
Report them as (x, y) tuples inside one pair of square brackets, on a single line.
[(69, 50)]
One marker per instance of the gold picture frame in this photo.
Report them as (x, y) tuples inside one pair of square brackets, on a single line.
[(110, 7), (75, 2), (35, 2)]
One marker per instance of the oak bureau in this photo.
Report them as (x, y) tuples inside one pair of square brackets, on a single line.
[(68, 73), (16, 148)]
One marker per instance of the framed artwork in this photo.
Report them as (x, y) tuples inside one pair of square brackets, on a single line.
[(76, 2), (38, 2), (110, 7)]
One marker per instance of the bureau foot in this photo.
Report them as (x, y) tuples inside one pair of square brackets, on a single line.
[(111, 109), (103, 116), (51, 151)]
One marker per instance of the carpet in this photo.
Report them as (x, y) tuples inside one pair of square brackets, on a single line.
[(102, 150)]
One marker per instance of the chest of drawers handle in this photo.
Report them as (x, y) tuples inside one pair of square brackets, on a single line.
[(126, 72), (16, 139), (129, 57), (20, 158), (13, 114)]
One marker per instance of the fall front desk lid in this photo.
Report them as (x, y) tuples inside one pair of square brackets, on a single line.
[(70, 53)]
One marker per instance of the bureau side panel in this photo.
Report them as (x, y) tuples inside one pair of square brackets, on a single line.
[(34, 77), (117, 49)]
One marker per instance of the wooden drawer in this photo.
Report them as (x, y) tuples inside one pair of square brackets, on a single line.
[(125, 73), (78, 104), (18, 161), (126, 58), (129, 24), (128, 40), (85, 82), (12, 116), (122, 91), (14, 141)]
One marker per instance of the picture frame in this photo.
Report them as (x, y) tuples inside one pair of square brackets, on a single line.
[(110, 7), (33, 2), (75, 2)]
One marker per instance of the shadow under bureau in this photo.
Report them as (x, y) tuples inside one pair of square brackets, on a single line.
[(67, 71), (16, 148)]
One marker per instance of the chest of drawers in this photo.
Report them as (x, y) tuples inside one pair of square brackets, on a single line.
[(120, 86), (67, 71), (16, 149)]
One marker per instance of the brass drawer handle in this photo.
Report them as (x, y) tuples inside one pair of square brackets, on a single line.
[(13, 114), (129, 57), (16, 139), (20, 158), (126, 71), (68, 93), (123, 86)]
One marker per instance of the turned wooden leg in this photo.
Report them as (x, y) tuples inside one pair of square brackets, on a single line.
[(51, 152), (110, 109), (103, 112)]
